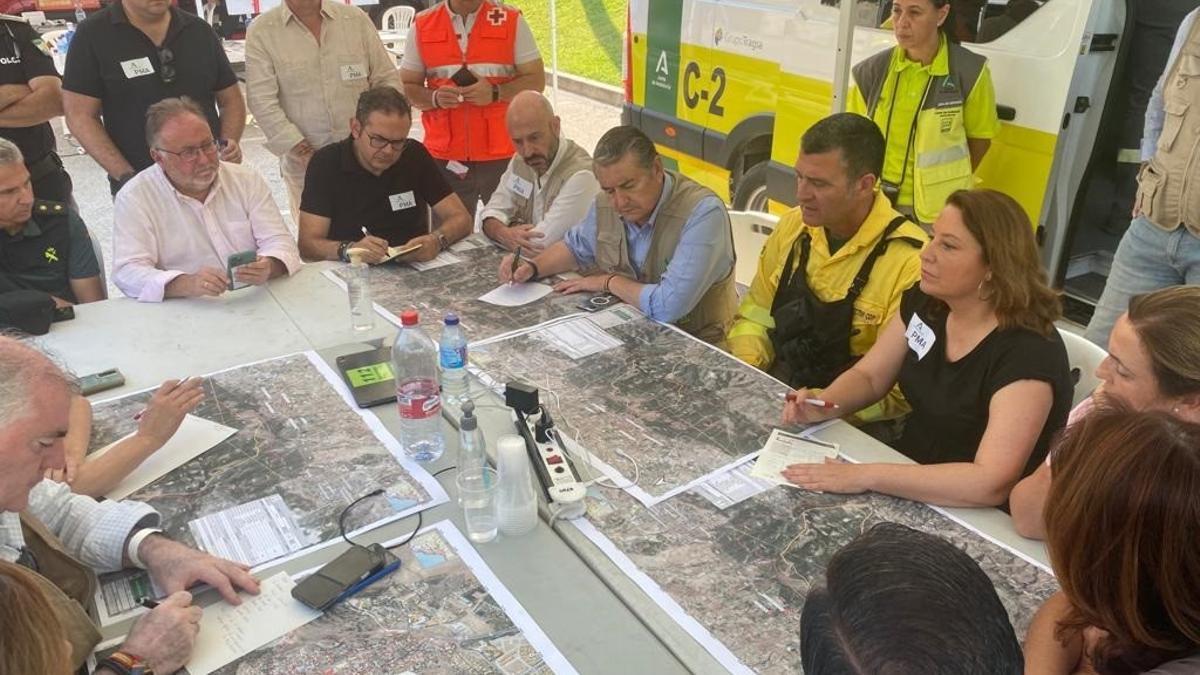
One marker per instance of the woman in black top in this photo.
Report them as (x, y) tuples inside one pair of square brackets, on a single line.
[(976, 355)]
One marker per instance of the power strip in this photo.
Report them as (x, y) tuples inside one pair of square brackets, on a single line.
[(553, 466)]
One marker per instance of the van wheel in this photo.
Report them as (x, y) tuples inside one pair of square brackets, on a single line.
[(750, 193)]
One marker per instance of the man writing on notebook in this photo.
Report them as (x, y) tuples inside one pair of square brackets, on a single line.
[(374, 189)]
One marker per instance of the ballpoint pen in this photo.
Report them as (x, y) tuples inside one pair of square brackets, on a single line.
[(512, 275)]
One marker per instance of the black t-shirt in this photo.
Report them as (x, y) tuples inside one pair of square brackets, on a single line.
[(950, 400), (393, 205), (113, 61), (47, 253), (21, 60)]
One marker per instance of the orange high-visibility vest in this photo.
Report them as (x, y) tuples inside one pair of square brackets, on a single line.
[(468, 132)]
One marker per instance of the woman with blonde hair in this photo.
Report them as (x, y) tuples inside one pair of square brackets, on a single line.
[(1151, 365), (32, 639), (1121, 532), (976, 354)]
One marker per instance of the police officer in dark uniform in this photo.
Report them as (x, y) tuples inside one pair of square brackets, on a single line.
[(30, 95)]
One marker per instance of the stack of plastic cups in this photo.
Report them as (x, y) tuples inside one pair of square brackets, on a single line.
[(516, 500)]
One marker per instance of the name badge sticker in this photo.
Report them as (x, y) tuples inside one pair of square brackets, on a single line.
[(520, 186), (403, 200), (354, 71), (137, 67), (920, 336)]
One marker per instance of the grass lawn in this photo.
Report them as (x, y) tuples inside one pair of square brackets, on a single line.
[(589, 35)]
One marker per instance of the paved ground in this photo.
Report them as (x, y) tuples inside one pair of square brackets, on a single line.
[(583, 120)]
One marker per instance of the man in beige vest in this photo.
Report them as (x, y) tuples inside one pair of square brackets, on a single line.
[(653, 238), (548, 186), (66, 538), (1162, 245)]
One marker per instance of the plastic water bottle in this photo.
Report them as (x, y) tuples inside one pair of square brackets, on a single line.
[(452, 354), (472, 455), (415, 363), (80, 15), (358, 288)]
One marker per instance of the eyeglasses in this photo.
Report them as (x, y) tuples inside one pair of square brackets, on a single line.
[(192, 154), (166, 70), (379, 142)]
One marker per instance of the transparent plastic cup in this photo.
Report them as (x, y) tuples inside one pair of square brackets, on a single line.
[(477, 494), (358, 287)]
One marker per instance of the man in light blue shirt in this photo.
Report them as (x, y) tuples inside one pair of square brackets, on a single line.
[(653, 238)]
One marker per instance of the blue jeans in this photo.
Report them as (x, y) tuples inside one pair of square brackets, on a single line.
[(1148, 258)]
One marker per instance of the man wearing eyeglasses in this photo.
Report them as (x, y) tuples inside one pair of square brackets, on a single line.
[(306, 63), (375, 189), (132, 54), (177, 224)]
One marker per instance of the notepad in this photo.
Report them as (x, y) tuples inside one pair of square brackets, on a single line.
[(784, 449)]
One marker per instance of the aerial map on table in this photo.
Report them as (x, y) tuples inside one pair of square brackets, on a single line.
[(301, 454), (455, 287), (443, 611), (616, 382), (736, 579)]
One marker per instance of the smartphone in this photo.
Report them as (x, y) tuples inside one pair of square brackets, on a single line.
[(343, 576), (463, 77), (101, 381), (236, 260)]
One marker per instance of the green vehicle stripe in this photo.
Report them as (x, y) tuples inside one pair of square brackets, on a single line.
[(662, 55)]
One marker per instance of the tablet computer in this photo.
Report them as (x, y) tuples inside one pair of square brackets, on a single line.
[(369, 376)]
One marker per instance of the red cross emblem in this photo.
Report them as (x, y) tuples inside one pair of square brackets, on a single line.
[(497, 16)]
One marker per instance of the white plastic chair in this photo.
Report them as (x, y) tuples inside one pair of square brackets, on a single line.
[(397, 20), (1084, 358), (750, 232)]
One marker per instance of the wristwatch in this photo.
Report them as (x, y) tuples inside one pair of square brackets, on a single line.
[(443, 243), (342, 248), (495, 92), (124, 663)]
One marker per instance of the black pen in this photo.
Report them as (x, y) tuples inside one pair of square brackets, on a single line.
[(516, 261), (149, 604)]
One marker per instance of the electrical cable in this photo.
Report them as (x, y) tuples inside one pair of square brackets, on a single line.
[(342, 517)]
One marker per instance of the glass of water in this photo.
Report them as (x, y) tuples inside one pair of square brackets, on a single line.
[(477, 494), (358, 287)]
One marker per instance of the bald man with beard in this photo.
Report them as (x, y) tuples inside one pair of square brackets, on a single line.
[(548, 186)]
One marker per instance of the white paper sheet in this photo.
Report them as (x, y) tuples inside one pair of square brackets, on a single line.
[(734, 486), (443, 259), (251, 533), (228, 633), (195, 437), (784, 449), (578, 338), (515, 295)]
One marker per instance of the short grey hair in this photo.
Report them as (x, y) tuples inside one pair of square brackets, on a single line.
[(10, 153), (620, 141), (21, 368), (166, 110)]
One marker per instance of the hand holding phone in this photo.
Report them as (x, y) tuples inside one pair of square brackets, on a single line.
[(234, 262)]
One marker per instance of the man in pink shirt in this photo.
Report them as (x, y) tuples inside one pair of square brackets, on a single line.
[(178, 222)]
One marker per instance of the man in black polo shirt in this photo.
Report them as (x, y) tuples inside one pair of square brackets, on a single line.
[(132, 54), (30, 95), (374, 189), (44, 246)]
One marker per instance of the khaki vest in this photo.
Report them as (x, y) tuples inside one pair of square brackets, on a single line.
[(67, 584), (1169, 185), (571, 160), (710, 319), (941, 156)]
